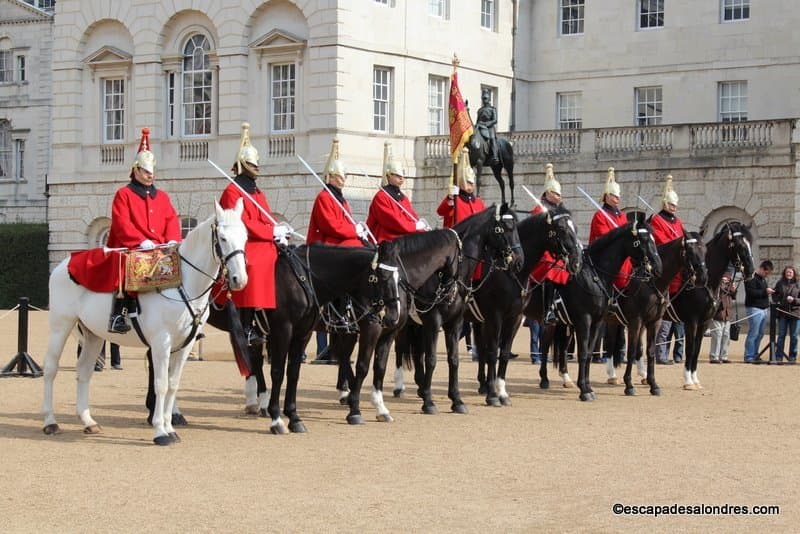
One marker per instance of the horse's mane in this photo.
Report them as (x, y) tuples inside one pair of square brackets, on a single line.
[(415, 243), (733, 226), (604, 240)]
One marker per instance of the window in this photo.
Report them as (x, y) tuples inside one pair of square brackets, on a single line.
[(383, 2), (187, 225), (6, 67), (5, 149), (47, 5), (381, 99), (438, 8), (648, 106), (571, 13), (282, 97), (488, 14), (171, 104), (569, 111), (113, 110), (197, 86), (19, 159), (436, 105), (492, 94), (651, 14), (735, 10), (21, 68), (732, 101)]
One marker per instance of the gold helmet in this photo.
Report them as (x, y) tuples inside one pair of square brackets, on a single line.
[(390, 165), (334, 166), (550, 182), (247, 152), (612, 187), (670, 196), (144, 158), (464, 171)]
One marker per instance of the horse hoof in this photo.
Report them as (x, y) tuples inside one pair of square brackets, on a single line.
[(493, 401), (569, 385), (430, 409), (251, 409), (355, 419), (544, 384), (51, 429), (614, 381), (698, 385), (587, 397), (278, 429), (630, 392), (297, 427), (655, 392), (689, 387), (175, 437), (459, 407), (397, 393), (179, 420), (644, 381), (164, 440), (482, 389), (505, 401), (384, 418), (92, 429)]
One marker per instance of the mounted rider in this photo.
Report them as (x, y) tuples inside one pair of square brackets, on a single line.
[(461, 201), (609, 217), (486, 124), (391, 214), (667, 226), (328, 223), (260, 250)]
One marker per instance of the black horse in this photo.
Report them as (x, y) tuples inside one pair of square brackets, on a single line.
[(696, 307), (586, 296), (479, 156), (489, 238), (309, 278), (501, 296), (644, 301)]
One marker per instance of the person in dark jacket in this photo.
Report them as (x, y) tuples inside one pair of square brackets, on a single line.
[(756, 305), (787, 299), (721, 325)]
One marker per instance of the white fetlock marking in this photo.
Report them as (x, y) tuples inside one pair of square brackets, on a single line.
[(263, 401), (641, 367), (687, 377), (612, 373), (86, 418), (565, 377), (501, 389), (276, 423), (343, 393), (250, 391), (398, 380), (695, 380), (377, 401)]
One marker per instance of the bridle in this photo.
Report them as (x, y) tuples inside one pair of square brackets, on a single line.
[(556, 244), (378, 301)]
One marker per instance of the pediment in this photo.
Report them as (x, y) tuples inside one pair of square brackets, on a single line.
[(108, 55), (278, 41)]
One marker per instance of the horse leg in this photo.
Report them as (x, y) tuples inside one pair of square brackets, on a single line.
[(91, 347), (431, 332), (477, 344), (651, 359), (60, 329), (633, 334), (496, 170), (255, 386), (296, 349), (689, 375), (585, 334), (693, 342), (160, 363), (277, 350), (401, 351), (368, 339), (561, 342), (341, 346), (545, 342), (451, 332), (509, 165), (488, 351), (176, 364), (378, 374)]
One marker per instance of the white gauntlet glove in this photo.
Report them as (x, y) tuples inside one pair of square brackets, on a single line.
[(454, 190), (280, 234), (147, 245), (422, 225), (361, 231)]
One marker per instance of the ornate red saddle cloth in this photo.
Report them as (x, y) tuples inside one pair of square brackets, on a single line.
[(140, 270)]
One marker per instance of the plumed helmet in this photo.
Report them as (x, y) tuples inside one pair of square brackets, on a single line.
[(144, 158), (670, 196), (464, 172), (612, 187), (390, 165), (334, 165), (247, 153), (550, 182)]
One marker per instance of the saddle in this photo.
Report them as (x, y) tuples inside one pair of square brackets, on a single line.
[(148, 270)]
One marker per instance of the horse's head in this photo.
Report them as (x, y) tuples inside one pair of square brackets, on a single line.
[(384, 280), (504, 239), (562, 239), (229, 236), (693, 254), (642, 247), (740, 252)]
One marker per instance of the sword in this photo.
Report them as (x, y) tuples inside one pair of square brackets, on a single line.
[(415, 219), (336, 200), (251, 199), (596, 205), (535, 198), (646, 205)]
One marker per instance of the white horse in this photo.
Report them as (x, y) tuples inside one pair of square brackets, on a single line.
[(169, 319)]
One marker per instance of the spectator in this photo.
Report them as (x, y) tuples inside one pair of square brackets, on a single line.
[(663, 342), (536, 331), (721, 324), (787, 299), (756, 305)]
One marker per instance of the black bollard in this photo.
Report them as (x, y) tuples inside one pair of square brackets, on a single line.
[(23, 361)]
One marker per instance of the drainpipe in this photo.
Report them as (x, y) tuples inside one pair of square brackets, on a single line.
[(514, 15)]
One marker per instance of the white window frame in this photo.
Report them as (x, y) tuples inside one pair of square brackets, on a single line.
[(113, 111), (649, 106), (283, 97), (187, 115), (6, 148), (492, 93), (489, 15), (648, 10), (734, 10), (382, 98), (439, 9), (569, 110), (6, 66), (187, 225), (22, 74), (19, 160), (571, 22), (437, 105), (732, 101)]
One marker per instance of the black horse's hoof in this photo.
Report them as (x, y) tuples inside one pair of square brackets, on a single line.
[(544, 384), (397, 393), (430, 409), (493, 401), (459, 407), (297, 427), (262, 412), (482, 389), (656, 391), (179, 420), (630, 391), (52, 429), (355, 419), (505, 401), (587, 397), (164, 440), (175, 437)]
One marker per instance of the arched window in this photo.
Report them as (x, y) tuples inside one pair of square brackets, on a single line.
[(197, 86), (187, 225)]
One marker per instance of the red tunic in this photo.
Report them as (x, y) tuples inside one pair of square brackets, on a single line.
[(667, 228), (387, 221), (600, 226), (454, 210), (260, 249), (548, 267), (329, 225)]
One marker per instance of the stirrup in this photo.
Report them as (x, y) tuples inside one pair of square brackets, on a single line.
[(254, 337), (550, 317), (118, 325)]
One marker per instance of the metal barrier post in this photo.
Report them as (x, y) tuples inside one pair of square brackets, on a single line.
[(23, 361)]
